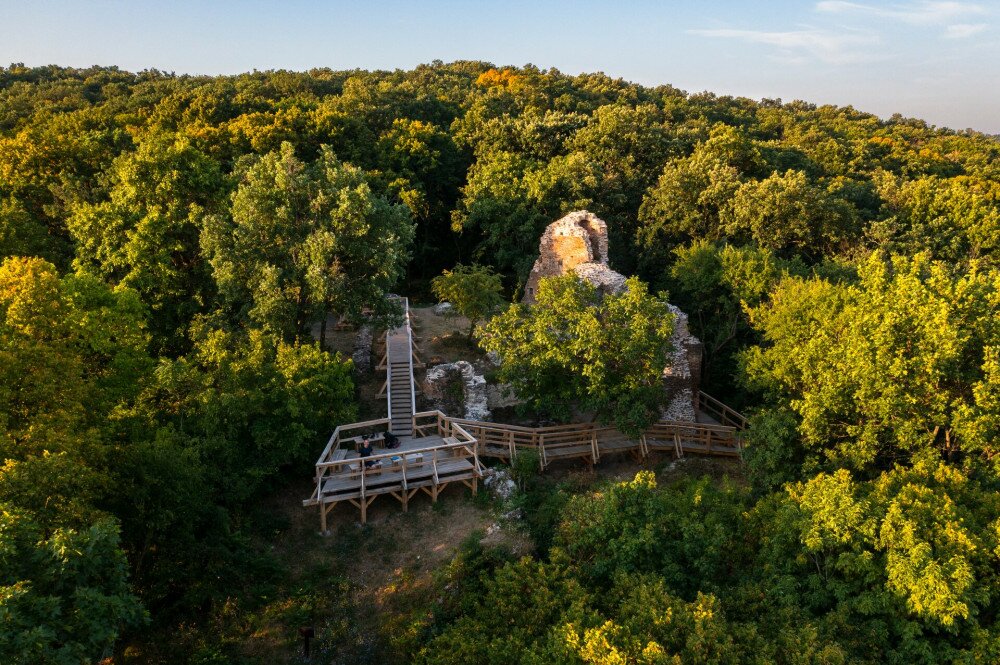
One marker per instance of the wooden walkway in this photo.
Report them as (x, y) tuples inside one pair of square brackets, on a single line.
[(591, 441), (444, 450)]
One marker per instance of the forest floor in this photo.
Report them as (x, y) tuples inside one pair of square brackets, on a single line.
[(368, 591)]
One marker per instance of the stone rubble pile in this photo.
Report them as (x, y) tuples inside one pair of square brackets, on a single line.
[(500, 484), (680, 408)]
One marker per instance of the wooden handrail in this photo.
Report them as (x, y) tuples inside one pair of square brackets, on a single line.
[(397, 453), (543, 439), (724, 412)]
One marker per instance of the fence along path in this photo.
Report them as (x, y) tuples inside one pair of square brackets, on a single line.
[(591, 441), (445, 450)]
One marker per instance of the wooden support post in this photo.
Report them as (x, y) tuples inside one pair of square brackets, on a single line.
[(406, 499)]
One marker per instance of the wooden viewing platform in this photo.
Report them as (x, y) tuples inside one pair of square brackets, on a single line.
[(444, 450), (438, 454)]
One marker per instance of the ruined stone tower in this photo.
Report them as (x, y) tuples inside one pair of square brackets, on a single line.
[(578, 243)]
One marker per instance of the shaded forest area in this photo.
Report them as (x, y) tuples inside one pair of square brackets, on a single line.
[(169, 243)]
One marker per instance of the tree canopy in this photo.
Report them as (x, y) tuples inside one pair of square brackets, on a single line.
[(169, 243), (576, 347)]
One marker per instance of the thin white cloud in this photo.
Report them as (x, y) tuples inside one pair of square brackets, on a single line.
[(828, 47), (914, 13), (964, 30)]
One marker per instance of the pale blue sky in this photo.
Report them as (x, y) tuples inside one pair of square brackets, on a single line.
[(935, 60)]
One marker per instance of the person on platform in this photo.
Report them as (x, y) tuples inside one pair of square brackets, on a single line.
[(365, 449)]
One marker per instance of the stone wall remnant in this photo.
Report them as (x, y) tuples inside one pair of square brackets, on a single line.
[(362, 354), (474, 395), (576, 243)]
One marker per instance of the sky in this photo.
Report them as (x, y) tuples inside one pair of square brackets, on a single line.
[(939, 61)]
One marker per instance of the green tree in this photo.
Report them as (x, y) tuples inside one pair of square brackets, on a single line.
[(72, 351), (956, 219), (475, 291), (686, 201), (236, 393), (882, 370), (783, 211), (574, 347), (714, 284), (64, 595), (304, 239), (145, 235)]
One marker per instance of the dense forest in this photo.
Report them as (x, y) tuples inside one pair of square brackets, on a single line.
[(169, 243)]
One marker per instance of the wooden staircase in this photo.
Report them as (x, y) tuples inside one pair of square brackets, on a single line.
[(400, 389)]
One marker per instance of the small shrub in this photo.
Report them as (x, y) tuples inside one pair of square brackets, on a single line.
[(525, 468)]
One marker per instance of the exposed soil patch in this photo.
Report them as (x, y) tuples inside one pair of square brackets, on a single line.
[(443, 338)]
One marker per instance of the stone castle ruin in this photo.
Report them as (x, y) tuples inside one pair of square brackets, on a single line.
[(578, 243)]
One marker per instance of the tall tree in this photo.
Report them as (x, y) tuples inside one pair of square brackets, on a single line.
[(303, 239), (576, 347), (474, 291)]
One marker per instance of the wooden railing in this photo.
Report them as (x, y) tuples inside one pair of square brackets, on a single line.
[(340, 435), (586, 439), (583, 440), (720, 412), (681, 437)]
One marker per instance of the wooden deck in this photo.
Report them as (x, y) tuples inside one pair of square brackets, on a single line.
[(427, 463)]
